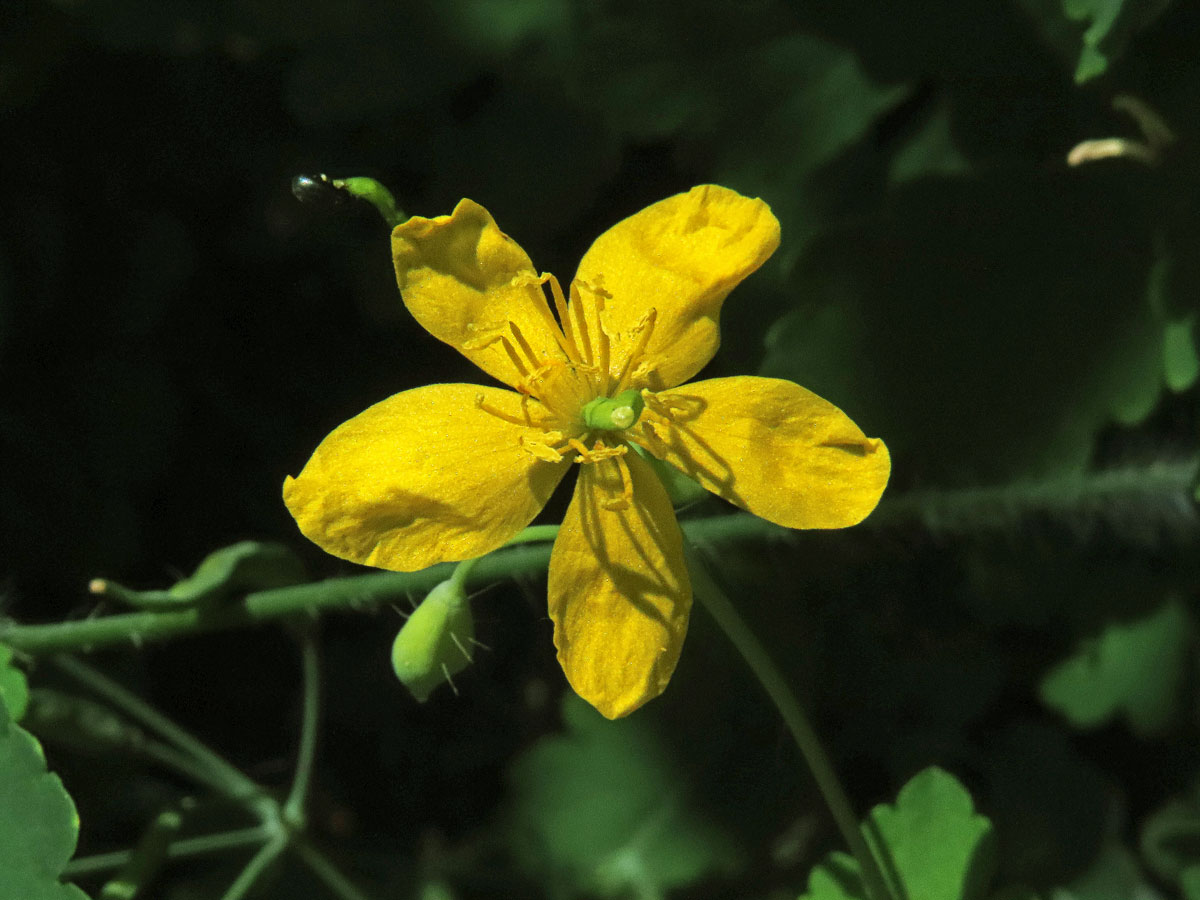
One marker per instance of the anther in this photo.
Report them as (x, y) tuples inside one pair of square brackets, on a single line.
[(626, 498), (481, 404), (643, 329)]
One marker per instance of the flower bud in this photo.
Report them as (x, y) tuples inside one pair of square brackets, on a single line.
[(435, 643)]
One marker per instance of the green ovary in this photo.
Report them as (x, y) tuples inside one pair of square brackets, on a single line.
[(614, 413)]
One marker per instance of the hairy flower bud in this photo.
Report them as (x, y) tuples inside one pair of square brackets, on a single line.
[(435, 643)]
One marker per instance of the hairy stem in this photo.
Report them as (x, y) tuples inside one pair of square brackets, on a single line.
[(1139, 506)]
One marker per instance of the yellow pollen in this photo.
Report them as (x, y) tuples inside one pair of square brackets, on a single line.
[(598, 452), (643, 329), (542, 449)]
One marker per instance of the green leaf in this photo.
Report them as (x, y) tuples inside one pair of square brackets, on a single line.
[(1110, 24), (929, 153), (14, 691), (602, 810), (812, 102), (1189, 881), (1181, 365), (1136, 670), (1170, 839), (960, 324), (38, 822), (940, 847), (1113, 875)]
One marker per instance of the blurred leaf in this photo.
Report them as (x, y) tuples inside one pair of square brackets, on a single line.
[(1170, 839), (1051, 807), (1189, 881), (940, 847), (1113, 875), (85, 726), (1181, 365), (765, 106), (38, 823), (1135, 670), (14, 691), (502, 27), (1110, 24), (929, 153), (602, 810), (987, 328), (810, 102)]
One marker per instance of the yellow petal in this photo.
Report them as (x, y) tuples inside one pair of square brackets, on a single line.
[(771, 447), (423, 477), (680, 256), (465, 280), (619, 589)]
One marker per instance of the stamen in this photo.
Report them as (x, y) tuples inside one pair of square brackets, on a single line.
[(601, 358), (481, 404), (513, 357), (605, 347), (524, 345), (643, 329), (564, 318), (581, 323), (538, 298), (626, 498), (598, 452), (542, 449)]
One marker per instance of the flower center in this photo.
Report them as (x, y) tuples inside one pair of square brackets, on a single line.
[(614, 413)]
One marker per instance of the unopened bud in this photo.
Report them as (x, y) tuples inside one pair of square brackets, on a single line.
[(435, 643)]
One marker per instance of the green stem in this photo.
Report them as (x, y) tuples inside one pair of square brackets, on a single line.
[(181, 849), (254, 870), (327, 871), (293, 807), (234, 782), (374, 193), (713, 599), (1139, 504), (530, 535)]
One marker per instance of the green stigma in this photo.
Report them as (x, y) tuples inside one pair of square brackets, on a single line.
[(614, 413)]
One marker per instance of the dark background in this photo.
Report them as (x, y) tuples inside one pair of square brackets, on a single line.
[(178, 332)]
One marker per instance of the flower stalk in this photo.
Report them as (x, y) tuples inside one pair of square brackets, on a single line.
[(719, 606)]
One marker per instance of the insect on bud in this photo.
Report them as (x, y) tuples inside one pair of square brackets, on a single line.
[(435, 643)]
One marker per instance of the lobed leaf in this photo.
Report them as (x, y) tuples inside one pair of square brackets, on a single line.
[(602, 810), (1135, 670), (14, 691), (938, 846), (38, 822)]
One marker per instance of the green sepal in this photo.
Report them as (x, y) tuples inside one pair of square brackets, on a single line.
[(435, 643), (238, 569), (614, 413)]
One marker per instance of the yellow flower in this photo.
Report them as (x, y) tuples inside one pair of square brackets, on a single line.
[(452, 471)]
